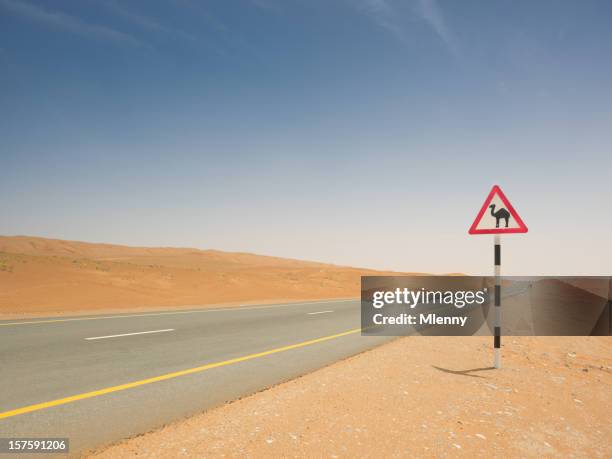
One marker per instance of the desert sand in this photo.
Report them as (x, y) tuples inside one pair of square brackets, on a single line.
[(48, 276), (416, 397)]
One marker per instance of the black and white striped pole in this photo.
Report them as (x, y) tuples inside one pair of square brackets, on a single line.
[(497, 325), (497, 216)]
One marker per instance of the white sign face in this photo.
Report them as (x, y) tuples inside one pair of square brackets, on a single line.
[(497, 216)]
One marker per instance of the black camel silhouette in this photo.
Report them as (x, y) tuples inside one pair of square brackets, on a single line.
[(501, 213)]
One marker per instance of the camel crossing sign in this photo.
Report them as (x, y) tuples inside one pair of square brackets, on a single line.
[(497, 216)]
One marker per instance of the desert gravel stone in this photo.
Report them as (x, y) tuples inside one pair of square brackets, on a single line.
[(371, 406)]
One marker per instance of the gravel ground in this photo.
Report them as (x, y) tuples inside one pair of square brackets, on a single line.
[(416, 397)]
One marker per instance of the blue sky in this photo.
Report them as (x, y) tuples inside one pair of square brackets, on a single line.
[(358, 132)]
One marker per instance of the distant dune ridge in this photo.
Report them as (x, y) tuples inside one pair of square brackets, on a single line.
[(47, 276)]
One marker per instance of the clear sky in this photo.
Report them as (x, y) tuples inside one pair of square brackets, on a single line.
[(358, 132)]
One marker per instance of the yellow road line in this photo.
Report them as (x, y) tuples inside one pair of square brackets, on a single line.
[(176, 374)]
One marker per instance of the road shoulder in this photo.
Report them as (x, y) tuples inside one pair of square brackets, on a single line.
[(417, 396)]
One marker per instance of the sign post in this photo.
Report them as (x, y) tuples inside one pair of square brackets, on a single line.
[(497, 326), (501, 221)]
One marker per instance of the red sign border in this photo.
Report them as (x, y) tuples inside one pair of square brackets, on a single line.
[(496, 189)]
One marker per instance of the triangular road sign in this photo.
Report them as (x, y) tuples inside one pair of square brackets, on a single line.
[(497, 216)]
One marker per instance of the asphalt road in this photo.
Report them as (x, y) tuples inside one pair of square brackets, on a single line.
[(99, 379)]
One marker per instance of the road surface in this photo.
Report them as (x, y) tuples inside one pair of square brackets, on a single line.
[(99, 379)]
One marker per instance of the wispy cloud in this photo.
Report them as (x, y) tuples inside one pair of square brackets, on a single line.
[(147, 22), (383, 14), (391, 17), (432, 13), (70, 23), (265, 5), (226, 39)]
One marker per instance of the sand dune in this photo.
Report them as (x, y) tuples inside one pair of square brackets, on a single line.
[(48, 276)]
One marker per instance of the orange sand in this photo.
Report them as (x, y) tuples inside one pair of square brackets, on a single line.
[(430, 397), (47, 276)]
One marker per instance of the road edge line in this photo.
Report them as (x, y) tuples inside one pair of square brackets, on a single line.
[(167, 376)]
